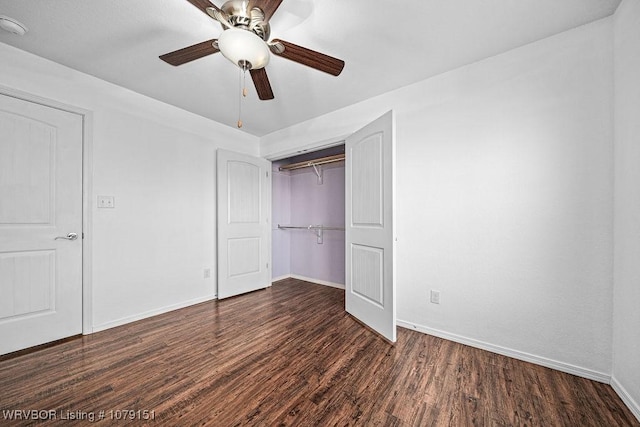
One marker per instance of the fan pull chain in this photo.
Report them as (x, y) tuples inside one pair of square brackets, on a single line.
[(240, 78), (244, 66), (244, 83)]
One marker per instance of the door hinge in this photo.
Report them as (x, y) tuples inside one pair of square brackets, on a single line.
[(267, 174), (267, 266), (83, 234)]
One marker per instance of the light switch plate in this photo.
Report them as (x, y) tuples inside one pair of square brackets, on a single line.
[(106, 202)]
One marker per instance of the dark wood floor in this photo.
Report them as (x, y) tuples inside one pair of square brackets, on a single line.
[(290, 356)]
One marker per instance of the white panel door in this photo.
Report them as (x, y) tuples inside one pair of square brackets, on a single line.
[(40, 199), (370, 241), (244, 200)]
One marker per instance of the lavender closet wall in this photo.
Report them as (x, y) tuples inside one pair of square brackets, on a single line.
[(299, 200), (281, 214)]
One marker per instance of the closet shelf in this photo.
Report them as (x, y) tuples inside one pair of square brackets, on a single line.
[(317, 229), (312, 163), (308, 227)]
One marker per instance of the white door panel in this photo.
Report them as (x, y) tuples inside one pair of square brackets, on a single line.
[(370, 251), (40, 199), (244, 200)]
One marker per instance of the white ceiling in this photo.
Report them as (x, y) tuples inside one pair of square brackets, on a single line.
[(385, 44)]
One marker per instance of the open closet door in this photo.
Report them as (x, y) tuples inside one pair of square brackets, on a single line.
[(244, 199), (370, 255)]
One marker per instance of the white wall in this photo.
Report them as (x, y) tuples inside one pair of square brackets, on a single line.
[(150, 252), (626, 312), (504, 199)]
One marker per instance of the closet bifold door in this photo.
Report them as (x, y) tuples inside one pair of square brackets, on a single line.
[(244, 204), (370, 230)]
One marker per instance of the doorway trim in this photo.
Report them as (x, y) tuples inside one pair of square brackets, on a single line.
[(309, 148), (87, 196)]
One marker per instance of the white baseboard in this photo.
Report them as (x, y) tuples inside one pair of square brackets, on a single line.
[(312, 280), (527, 357), (633, 406), (277, 279), (151, 313)]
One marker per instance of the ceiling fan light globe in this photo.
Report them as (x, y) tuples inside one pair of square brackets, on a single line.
[(238, 45)]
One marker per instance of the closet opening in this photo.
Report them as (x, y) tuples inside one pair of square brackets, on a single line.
[(308, 217)]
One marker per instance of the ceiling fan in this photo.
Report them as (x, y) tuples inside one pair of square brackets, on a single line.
[(245, 42)]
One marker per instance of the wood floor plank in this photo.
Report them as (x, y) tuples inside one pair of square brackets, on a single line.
[(291, 356)]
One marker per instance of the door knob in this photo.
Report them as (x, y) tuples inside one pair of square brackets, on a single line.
[(70, 236)]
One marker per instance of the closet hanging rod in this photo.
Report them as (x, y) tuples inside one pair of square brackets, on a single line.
[(316, 162), (308, 227)]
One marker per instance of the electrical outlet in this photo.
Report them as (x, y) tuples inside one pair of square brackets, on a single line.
[(106, 202), (435, 297), (207, 273)]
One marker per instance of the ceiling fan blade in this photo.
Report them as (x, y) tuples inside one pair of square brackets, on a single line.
[(308, 57), (203, 5), (261, 82), (269, 7), (188, 54)]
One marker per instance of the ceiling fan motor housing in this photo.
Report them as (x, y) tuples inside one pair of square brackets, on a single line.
[(240, 16)]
